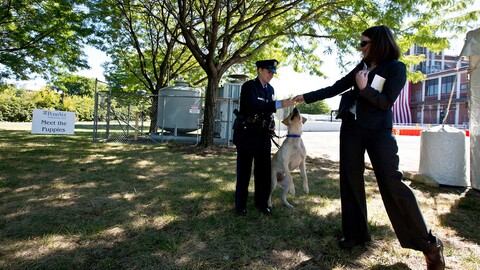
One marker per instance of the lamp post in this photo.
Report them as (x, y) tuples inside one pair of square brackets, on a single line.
[(442, 115)]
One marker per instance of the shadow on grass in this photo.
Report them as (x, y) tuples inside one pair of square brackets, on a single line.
[(463, 216), (67, 203), (463, 213)]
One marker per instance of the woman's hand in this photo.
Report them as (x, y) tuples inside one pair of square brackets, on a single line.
[(362, 78), (298, 99)]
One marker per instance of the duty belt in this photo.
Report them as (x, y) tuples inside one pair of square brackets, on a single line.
[(259, 120)]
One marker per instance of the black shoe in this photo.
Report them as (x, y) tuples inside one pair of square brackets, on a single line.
[(241, 212), (346, 243), (435, 259), (265, 210)]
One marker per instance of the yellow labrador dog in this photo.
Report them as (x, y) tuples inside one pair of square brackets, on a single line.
[(290, 156)]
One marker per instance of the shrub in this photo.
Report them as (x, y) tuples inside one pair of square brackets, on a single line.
[(16, 106)]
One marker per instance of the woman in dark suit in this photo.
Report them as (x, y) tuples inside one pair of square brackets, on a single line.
[(366, 113)]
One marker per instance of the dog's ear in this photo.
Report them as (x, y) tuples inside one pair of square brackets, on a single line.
[(286, 121), (304, 119)]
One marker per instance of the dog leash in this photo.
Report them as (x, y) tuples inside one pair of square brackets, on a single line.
[(273, 134)]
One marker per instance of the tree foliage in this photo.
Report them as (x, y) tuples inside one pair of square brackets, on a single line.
[(141, 41), (42, 37), (220, 34), (76, 85)]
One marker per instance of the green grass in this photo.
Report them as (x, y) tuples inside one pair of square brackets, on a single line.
[(67, 203)]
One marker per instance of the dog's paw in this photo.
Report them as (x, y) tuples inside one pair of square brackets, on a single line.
[(306, 190), (286, 202), (291, 190)]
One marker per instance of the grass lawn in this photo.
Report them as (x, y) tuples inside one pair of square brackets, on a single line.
[(67, 203)]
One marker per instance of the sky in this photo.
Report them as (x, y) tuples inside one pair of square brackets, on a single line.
[(286, 82)]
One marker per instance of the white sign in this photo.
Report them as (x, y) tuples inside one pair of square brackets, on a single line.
[(194, 109), (53, 122)]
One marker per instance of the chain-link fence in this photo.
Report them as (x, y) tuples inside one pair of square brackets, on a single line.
[(174, 115), (158, 118), (121, 117)]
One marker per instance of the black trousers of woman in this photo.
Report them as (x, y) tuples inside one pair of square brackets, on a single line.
[(399, 200)]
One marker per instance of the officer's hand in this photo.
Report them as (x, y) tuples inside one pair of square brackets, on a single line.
[(298, 99), (287, 103)]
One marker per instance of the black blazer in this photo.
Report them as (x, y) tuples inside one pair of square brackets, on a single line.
[(374, 109)]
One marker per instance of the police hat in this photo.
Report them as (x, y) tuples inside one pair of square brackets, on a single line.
[(271, 65)]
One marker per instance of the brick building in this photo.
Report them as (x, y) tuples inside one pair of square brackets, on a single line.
[(429, 99)]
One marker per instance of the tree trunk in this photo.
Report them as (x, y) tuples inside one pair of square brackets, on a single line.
[(153, 114), (209, 113)]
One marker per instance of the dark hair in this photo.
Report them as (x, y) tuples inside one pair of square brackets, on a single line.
[(383, 46)]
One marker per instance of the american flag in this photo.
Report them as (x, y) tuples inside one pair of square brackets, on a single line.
[(401, 107)]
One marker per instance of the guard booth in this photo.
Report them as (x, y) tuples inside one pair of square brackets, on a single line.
[(228, 99), (471, 49)]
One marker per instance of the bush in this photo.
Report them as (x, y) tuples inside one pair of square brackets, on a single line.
[(17, 105), (82, 106)]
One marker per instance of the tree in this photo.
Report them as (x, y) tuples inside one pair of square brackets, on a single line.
[(42, 37), (221, 34), (142, 42), (75, 85)]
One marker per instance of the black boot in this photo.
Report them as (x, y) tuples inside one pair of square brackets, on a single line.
[(435, 259)]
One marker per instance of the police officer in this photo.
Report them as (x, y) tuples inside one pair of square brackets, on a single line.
[(251, 136)]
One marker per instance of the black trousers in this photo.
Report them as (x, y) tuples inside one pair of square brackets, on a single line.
[(399, 200), (261, 159)]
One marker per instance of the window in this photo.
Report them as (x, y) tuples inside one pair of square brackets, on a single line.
[(431, 87), (447, 84), (420, 50), (420, 67)]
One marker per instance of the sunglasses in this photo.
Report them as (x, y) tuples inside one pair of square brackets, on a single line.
[(364, 43)]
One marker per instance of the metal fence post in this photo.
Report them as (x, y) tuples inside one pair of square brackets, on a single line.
[(95, 112), (109, 105)]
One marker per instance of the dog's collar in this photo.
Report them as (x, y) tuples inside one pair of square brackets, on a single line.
[(293, 136)]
